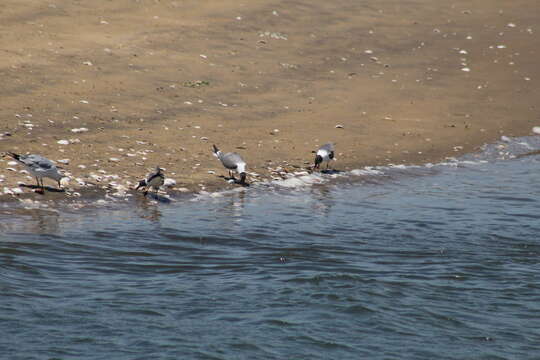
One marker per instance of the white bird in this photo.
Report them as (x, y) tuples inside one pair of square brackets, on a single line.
[(324, 154), (154, 180), (39, 167), (232, 162)]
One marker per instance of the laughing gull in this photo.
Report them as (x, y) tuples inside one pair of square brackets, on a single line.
[(39, 167), (325, 153), (233, 162), (153, 180)]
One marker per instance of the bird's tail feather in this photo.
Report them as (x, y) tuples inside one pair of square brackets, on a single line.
[(14, 156), (216, 151)]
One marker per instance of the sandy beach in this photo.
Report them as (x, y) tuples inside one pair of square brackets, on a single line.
[(112, 89)]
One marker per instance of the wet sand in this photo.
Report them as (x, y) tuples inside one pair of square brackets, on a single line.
[(157, 83)]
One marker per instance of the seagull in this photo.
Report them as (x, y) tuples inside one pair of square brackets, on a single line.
[(154, 180), (39, 167), (233, 162), (325, 153)]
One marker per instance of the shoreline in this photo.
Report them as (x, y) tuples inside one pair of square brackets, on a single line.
[(158, 84), (505, 149)]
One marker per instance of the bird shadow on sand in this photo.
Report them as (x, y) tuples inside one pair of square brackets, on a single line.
[(46, 188), (157, 197), (235, 180), (331, 171), (325, 171)]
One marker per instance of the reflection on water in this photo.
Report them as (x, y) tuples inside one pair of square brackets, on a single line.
[(435, 262), (44, 221)]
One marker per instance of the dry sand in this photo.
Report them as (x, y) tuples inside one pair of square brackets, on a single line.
[(159, 82)]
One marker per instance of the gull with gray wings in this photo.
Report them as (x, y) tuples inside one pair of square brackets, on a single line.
[(324, 154), (39, 167), (232, 162)]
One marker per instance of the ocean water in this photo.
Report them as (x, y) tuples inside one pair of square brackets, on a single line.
[(424, 262)]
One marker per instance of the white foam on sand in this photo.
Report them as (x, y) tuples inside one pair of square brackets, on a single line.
[(299, 181)]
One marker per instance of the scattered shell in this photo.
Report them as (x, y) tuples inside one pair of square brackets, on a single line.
[(273, 35), (63, 161), (16, 191), (339, 126), (63, 142), (114, 159), (536, 130), (79, 130), (64, 181), (83, 101), (466, 69), (12, 163)]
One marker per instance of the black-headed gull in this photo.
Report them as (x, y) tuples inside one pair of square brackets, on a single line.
[(324, 154), (232, 162), (39, 167), (154, 180)]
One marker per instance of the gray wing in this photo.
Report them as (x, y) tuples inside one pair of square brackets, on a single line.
[(328, 147), (37, 161), (231, 160)]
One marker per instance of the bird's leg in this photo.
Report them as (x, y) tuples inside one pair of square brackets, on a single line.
[(327, 163), (41, 189)]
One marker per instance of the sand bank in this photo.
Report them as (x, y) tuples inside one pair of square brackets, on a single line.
[(115, 88)]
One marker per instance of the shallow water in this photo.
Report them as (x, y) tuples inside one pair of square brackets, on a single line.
[(432, 262)]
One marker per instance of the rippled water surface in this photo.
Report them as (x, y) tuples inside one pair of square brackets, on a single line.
[(434, 262)]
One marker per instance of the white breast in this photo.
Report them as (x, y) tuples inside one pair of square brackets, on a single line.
[(324, 154)]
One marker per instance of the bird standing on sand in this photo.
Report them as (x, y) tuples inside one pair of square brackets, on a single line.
[(154, 180), (39, 167), (324, 154), (232, 162)]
